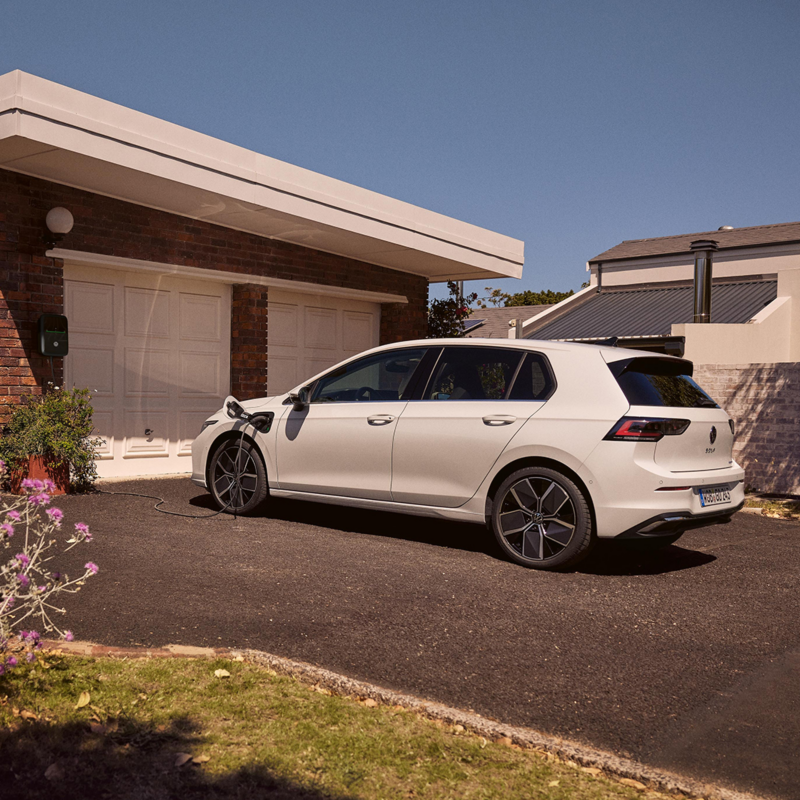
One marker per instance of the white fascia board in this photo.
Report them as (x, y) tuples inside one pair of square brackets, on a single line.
[(557, 307), (58, 117), (84, 259), (768, 310)]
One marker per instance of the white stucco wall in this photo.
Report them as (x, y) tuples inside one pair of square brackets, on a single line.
[(732, 264), (773, 336)]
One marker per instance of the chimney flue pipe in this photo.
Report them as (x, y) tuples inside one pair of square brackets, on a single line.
[(703, 250)]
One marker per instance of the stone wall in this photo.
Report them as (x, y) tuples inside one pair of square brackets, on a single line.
[(764, 402)]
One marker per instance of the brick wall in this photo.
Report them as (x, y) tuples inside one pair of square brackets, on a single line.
[(31, 284), (248, 335), (764, 402)]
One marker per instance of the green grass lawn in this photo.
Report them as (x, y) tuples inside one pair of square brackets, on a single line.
[(170, 728)]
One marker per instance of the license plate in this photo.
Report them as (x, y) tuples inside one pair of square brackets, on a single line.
[(714, 495)]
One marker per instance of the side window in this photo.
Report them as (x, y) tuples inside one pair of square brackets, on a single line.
[(534, 380), (473, 373), (382, 377)]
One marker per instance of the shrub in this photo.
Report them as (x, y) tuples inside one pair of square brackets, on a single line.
[(57, 426), (446, 317), (30, 532)]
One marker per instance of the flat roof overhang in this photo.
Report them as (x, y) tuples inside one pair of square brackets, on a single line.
[(62, 135)]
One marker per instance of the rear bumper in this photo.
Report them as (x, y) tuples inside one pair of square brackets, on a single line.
[(630, 491), (673, 523)]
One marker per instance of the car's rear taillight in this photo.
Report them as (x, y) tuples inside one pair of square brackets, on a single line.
[(646, 429)]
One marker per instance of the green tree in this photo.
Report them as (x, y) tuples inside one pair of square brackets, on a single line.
[(446, 317), (497, 297)]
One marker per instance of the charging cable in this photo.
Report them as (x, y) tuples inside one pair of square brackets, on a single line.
[(261, 422), (164, 510)]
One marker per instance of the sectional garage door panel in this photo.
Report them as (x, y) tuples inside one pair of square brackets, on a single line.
[(155, 351), (309, 333)]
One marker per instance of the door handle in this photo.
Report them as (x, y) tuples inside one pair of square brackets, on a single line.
[(380, 419), (499, 419)]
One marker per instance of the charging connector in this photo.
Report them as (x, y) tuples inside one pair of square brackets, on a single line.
[(260, 421)]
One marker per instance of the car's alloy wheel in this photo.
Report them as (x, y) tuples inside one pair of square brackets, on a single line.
[(237, 478), (541, 519)]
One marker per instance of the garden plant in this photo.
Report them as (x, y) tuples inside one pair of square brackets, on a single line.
[(31, 534), (446, 317), (56, 427)]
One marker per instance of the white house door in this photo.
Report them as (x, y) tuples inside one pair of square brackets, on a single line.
[(308, 333), (155, 353)]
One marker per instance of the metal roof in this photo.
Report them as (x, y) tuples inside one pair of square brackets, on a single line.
[(652, 311)]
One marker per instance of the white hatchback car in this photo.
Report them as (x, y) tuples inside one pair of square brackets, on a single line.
[(550, 444)]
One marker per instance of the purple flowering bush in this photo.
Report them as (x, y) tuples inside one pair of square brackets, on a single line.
[(30, 533)]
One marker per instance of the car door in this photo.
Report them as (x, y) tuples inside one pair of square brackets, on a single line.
[(341, 442), (476, 400)]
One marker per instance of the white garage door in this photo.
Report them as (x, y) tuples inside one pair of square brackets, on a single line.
[(308, 333), (155, 351)]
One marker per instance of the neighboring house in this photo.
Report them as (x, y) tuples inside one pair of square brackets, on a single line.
[(493, 323), (196, 268), (747, 356)]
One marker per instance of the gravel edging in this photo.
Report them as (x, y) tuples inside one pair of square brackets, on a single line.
[(552, 747), (581, 755)]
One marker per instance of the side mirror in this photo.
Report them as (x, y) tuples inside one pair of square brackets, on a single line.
[(300, 399)]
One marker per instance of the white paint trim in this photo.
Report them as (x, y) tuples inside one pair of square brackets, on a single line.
[(556, 307), (768, 310), (80, 258), (111, 150)]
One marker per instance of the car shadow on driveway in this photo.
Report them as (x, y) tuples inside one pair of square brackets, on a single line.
[(607, 557), (425, 530), (615, 558)]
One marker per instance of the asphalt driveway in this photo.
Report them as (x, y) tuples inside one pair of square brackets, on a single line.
[(688, 660)]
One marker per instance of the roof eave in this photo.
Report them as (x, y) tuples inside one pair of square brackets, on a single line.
[(602, 259), (61, 135)]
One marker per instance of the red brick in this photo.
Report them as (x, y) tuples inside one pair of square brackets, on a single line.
[(31, 283)]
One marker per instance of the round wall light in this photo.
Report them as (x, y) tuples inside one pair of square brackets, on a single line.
[(59, 222)]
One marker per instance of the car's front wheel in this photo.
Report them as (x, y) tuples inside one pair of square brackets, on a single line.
[(237, 477), (541, 519)]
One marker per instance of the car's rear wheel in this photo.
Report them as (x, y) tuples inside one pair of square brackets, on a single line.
[(541, 519), (237, 477)]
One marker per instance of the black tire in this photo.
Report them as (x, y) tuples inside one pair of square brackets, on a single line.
[(251, 491), (542, 520), (650, 545)]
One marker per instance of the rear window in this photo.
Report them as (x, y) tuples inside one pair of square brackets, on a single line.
[(660, 382)]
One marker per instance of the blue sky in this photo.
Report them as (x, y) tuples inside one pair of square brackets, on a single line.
[(570, 125)]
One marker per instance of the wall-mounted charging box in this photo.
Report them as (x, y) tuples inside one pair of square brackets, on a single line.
[(53, 335)]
